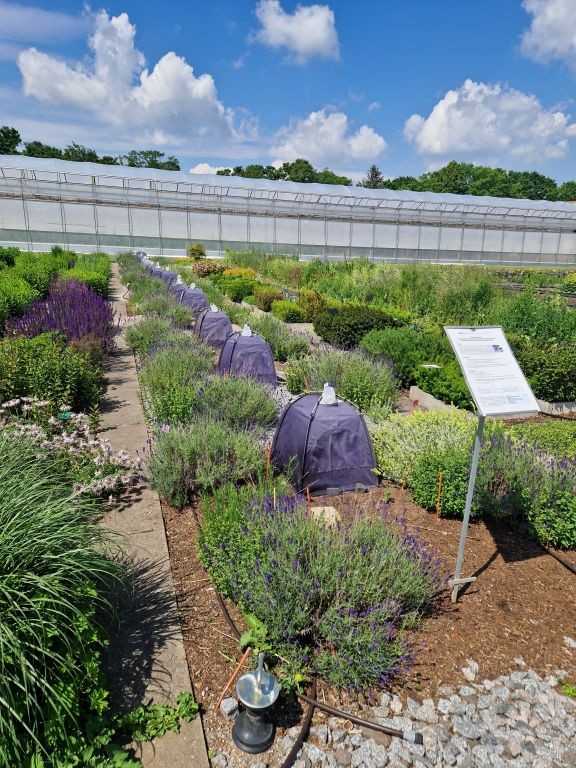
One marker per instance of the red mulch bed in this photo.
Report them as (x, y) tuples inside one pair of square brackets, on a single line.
[(522, 604)]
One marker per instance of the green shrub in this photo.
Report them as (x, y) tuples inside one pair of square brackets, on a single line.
[(312, 303), (200, 456), (285, 344), (236, 288), (265, 295), (142, 336), (46, 368), (548, 320), (406, 349), (446, 383), (171, 379), (568, 284), (400, 441), (177, 390), (345, 326), (38, 269), (550, 369), (363, 382), (288, 311), (164, 307), (286, 571), (15, 294), (517, 480), (237, 402), (553, 436), (196, 251), (439, 481), (8, 256), (97, 281), (54, 580)]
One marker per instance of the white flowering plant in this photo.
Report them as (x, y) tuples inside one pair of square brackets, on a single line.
[(91, 463)]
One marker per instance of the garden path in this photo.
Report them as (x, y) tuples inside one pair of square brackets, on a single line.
[(147, 661)]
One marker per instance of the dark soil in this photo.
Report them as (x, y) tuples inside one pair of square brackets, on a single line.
[(522, 604)]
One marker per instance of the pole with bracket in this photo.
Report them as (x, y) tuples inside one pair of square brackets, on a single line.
[(458, 581)]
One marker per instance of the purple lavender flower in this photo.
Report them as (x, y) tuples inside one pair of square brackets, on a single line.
[(71, 308)]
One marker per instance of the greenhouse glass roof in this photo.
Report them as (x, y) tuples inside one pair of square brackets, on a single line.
[(16, 167)]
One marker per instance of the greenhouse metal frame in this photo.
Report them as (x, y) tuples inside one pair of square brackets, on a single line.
[(87, 206)]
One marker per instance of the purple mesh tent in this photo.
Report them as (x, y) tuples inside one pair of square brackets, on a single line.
[(193, 298), (249, 356), (326, 448), (213, 326)]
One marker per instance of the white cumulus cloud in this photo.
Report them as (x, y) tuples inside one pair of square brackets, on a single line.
[(326, 137), (167, 104), (492, 121), (206, 168), (552, 32), (308, 32)]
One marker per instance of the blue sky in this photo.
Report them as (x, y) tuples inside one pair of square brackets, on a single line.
[(407, 85)]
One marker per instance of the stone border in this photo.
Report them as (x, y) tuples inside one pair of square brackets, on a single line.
[(150, 668), (430, 403)]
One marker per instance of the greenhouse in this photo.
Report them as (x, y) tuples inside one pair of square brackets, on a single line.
[(89, 206)]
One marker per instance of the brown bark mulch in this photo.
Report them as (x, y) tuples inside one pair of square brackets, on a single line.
[(523, 603)]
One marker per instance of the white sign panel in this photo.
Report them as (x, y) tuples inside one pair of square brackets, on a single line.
[(494, 378)]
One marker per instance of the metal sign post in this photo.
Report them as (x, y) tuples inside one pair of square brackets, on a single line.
[(457, 581), (498, 388)]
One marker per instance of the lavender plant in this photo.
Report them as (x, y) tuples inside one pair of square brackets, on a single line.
[(337, 601)]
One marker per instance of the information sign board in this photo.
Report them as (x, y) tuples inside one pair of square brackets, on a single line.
[(492, 373)]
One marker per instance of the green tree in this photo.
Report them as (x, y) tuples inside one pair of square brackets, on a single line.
[(300, 170), (150, 158), (9, 140), (329, 177), (403, 182), (374, 178), (567, 191), (38, 149), (532, 185), (253, 172), (108, 160), (80, 153)]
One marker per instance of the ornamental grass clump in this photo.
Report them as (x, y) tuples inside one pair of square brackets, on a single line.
[(54, 575), (334, 601), (72, 309)]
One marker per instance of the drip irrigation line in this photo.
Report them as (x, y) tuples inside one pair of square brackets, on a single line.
[(304, 730), (556, 556)]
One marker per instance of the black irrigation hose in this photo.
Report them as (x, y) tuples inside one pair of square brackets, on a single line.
[(290, 758), (556, 556), (313, 703)]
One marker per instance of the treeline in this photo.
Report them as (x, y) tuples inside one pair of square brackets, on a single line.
[(456, 178), (468, 179), (299, 170), (11, 144)]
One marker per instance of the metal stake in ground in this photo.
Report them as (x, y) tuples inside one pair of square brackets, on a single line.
[(457, 581)]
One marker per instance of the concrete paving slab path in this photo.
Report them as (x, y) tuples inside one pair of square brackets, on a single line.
[(147, 662)]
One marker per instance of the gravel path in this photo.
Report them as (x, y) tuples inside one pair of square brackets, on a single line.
[(520, 720)]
